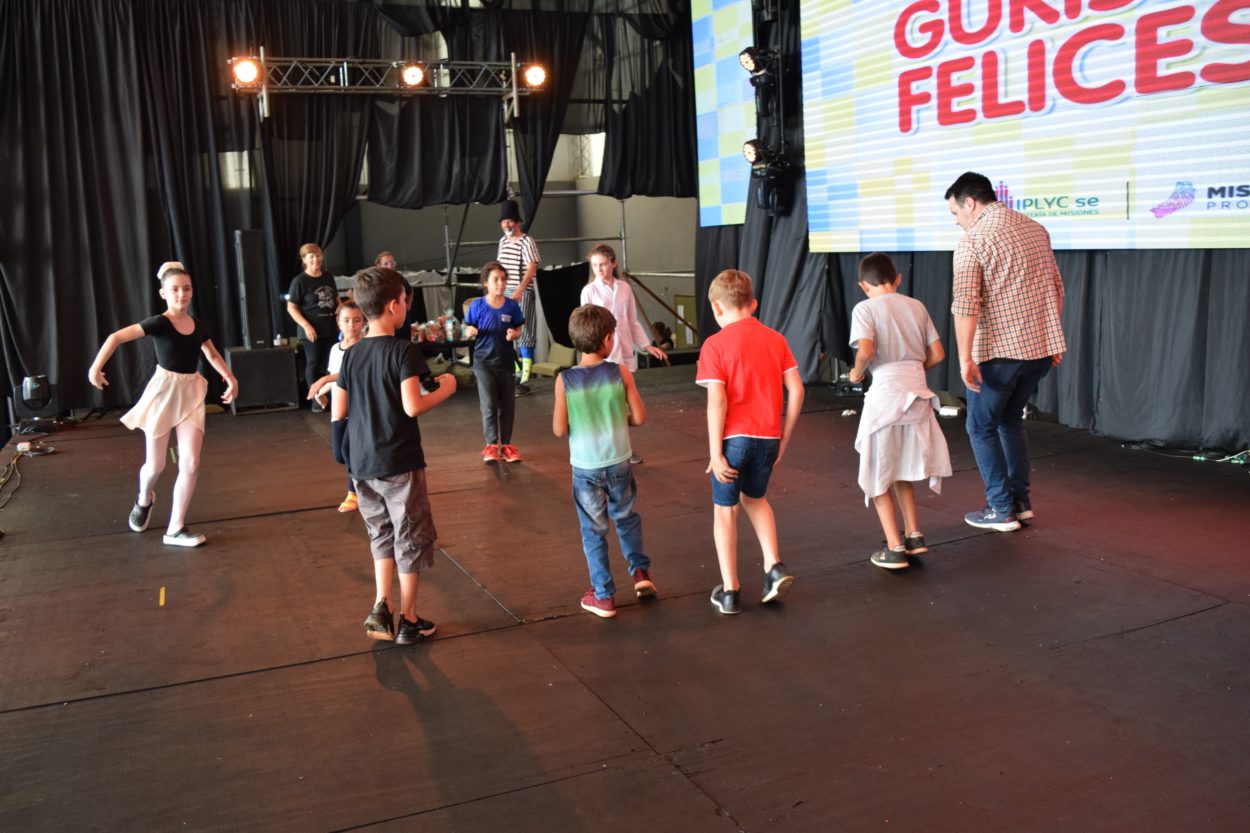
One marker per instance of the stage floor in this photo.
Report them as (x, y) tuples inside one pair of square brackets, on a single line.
[(1090, 672)]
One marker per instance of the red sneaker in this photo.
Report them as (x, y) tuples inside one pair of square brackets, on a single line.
[(510, 454), (643, 585), (603, 608), (490, 454)]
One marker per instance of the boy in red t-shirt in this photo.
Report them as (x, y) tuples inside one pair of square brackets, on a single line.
[(744, 368)]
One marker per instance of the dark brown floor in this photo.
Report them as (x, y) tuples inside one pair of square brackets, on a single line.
[(1088, 673)]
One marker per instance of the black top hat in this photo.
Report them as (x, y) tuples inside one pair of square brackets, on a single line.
[(510, 211)]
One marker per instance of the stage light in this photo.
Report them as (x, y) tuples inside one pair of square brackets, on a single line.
[(752, 60), (754, 152), (36, 392), (535, 76), (412, 74), (245, 71)]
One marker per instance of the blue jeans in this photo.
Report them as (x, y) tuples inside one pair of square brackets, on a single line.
[(599, 494), (996, 427)]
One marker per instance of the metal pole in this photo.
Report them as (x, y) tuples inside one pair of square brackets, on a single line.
[(264, 87), (624, 250), (455, 252), (446, 243), (661, 302)]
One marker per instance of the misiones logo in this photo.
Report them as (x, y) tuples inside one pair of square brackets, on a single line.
[(1232, 197), (1228, 197)]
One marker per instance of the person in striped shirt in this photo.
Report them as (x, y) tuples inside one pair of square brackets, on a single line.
[(519, 255), (1007, 301)]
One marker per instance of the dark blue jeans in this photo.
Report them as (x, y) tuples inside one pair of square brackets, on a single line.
[(996, 427), (600, 494)]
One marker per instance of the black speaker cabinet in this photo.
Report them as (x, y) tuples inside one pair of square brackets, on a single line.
[(267, 380), (19, 410), (249, 257)]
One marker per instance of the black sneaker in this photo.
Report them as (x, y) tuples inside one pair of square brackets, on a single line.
[(889, 559), (410, 633), (914, 544), (140, 515), (380, 624), (777, 583), (726, 601), (1022, 509), (184, 538), (522, 389)]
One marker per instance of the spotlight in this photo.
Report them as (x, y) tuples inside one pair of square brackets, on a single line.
[(534, 75), (245, 71), (36, 392), (412, 74), (755, 153), (35, 406), (752, 60)]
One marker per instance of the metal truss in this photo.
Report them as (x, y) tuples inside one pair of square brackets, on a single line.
[(356, 76)]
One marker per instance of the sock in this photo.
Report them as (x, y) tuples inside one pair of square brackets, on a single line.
[(526, 366)]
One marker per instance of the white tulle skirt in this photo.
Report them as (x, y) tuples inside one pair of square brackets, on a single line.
[(168, 400)]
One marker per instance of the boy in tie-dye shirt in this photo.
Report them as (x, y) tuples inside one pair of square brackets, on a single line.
[(595, 403)]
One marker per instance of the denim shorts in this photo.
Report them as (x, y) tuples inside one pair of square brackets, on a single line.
[(753, 457)]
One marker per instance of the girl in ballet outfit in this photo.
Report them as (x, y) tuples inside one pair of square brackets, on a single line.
[(173, 401)]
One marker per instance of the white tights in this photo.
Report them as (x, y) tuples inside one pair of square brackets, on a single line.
[(190, 438)]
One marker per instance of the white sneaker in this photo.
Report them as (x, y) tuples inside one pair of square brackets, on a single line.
[(184, 538)]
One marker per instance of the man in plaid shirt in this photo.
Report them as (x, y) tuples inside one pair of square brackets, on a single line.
[(1007, 301)]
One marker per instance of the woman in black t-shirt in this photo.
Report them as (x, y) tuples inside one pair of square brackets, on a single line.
[(313, 301), (172, 401)]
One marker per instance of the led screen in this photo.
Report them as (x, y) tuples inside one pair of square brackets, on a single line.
[(724, 107), (1117, 124)]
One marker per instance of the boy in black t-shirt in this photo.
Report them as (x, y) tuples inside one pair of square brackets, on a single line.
[(379, 388)]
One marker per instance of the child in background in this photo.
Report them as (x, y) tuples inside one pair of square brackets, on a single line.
[(662, 335), (744, 367), (351, 326), (595, 403), (899, 440), (608, 290), (495, 321), (172, 401), (379, 389)]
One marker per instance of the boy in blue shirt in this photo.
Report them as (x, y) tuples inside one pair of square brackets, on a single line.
[(379, 387), (596, 402)]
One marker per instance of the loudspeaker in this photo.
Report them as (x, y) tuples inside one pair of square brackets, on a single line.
[(249, 257), (266, 377)]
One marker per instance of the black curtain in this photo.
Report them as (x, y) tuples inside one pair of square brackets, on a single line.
[(560, 292), (312, 147), (650, 146), (1156, 339), (794, 288), (426, 150), (195, 127), (81, 226), (555, 40), (715, 249)]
